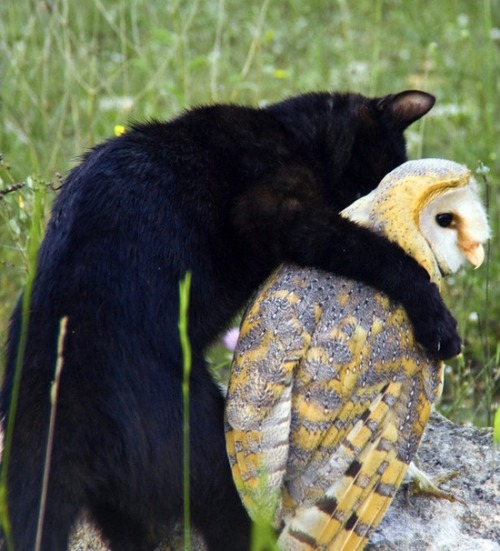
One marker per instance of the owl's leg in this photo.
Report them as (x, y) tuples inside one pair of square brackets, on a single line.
[(421, 484)]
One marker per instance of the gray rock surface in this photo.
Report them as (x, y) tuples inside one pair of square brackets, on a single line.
[(420, 522), (423, 523)]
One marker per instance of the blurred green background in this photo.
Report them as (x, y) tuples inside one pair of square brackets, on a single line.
[(72, 72)]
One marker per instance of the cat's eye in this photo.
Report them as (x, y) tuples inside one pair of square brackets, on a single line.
[(444, 219)]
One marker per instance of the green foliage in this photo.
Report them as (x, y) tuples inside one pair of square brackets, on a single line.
[(184, 292), (263, 538), (496, 428), (32, 243), (73, 71)]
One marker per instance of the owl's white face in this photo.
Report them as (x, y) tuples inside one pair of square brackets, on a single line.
[(455, 226)]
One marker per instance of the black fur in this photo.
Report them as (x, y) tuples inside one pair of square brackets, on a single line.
[(227, 192)]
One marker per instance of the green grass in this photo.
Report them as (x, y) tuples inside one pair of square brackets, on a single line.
[(71, 71), (184, 293)]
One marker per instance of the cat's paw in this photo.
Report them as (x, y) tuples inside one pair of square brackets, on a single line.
[(434, 327)]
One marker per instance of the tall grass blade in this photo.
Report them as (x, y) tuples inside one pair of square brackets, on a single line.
[(184, 291), (54, 391)]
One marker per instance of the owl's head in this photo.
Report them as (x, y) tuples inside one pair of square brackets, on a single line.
[(432, 209)]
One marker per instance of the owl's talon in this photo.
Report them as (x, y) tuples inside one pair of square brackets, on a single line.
[(422, 484)]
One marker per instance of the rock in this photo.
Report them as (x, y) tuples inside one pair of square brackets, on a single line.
[(422, 523)]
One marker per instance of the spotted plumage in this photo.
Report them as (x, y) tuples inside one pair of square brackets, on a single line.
[(329, 392)]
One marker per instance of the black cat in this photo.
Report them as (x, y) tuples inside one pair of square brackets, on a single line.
[(227, 192)]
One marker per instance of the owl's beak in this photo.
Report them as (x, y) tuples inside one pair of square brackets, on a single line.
[(473, 251)]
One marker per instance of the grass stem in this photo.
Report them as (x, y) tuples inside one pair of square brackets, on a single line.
[(54, 391), (184, 291)]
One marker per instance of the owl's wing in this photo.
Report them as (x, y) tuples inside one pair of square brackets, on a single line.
[(356, 468), (258, 407), (356, 501)]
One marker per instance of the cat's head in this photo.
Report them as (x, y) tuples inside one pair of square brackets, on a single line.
[(378, 144), (354, 141)]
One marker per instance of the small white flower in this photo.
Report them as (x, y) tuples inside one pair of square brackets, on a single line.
[(482, 169), (495, 34), (119, 103)]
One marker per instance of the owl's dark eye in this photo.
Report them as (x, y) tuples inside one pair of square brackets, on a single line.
[(444, 219)]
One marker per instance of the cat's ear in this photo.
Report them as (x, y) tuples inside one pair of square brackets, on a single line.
[(406, 107)]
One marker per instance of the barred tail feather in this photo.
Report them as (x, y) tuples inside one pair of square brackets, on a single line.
[(353, 506)]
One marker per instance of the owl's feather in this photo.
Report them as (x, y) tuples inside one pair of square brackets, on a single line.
[(329, 392)]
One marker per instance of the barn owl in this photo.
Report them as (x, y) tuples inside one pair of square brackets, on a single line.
[(329, 392)]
